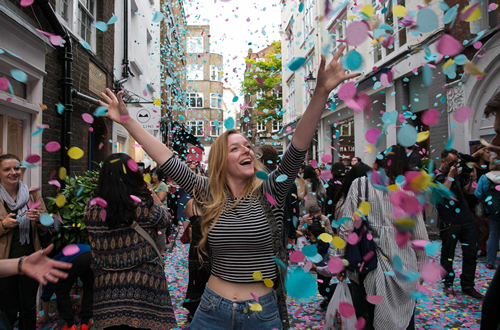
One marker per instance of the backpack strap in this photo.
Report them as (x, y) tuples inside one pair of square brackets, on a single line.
[(135, 226)]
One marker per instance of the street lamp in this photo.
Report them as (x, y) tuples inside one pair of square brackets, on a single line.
[(311, 82)]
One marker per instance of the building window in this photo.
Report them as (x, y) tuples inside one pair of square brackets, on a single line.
[(63, 9), (194, 72), (337, 32), (195, 100), (195, 127), (195, 44), (307, 17), (120, 144), (261, 126), (277, 125), (215, 73), (290, 38), (215, 101), (260, 94), (347, 128), (291, 99), (380, 53), (85, 19), (215, 131), (310, 67)]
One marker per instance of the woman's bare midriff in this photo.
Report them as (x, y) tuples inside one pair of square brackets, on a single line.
[(237, 291)]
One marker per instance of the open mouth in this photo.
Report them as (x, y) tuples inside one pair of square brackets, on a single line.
[(246, 162)]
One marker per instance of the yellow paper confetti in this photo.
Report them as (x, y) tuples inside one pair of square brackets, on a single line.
[(42, 106), (62, 173), (422, 136), (257, 276), (269, 283), (325, 237), (476, 14), (474, 70), (60, 200), (420, 182), (405, 222), (124, 170), (364, 208), (147, 178), (392, 187), (338, 242), (75, 153), (368, 10), (369, 148), (352, 17), (448, 63), (157, 102), (256, 307), (114, 160), (399, 11)]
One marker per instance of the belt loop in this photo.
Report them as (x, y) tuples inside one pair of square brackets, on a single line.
[(275, 296), (247, 306), (217, 302)]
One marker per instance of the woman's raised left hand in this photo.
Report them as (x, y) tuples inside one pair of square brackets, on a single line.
[(333, 74)]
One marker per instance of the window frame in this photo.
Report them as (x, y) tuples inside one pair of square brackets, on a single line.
[(261, 127), (279, 123), (215, 129), (72, 23), (194, 50), (218, 100), (194, 68), (195, 95), (291, 98), (196, 124)]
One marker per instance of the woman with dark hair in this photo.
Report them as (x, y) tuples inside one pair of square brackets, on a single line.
[(161, 189), (355, 160), (130, 289), (396, 311), (20, 234), (314, 189), (335, 183)]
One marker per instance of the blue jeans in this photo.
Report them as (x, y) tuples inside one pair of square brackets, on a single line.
[(217, 313), (492, 244)]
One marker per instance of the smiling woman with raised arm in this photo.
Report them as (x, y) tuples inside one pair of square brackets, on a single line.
[(242, 215)]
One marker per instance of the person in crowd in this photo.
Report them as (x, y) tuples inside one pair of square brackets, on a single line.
[(355, 160), (396, 311), (37, 266), (322, 167), (161, 189), (315, 227), (199, 270), (457, 224), (490, 318), (241, 213), (413, 158), (335, 183), (314, 189), (483, 156), (301, 171), (80, 262), (315, 213), (121, 251), (269, 158), (346, 161), (300, 184), (20, 234), (487, 187), (357, 171)]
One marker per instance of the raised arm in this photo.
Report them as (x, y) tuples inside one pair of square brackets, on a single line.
[(118, 112), (329, 77)]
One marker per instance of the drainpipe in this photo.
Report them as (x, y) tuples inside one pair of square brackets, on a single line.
[(125, 62), (66, 80)]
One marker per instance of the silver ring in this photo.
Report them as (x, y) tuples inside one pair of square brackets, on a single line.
[(47, 274), (41, 252)]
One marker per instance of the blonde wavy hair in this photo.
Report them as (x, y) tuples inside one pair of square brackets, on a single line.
[(216, 204)]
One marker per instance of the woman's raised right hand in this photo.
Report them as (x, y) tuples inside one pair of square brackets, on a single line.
[(117, 110)]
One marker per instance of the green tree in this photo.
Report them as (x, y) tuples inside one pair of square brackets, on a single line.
[(269, 104)]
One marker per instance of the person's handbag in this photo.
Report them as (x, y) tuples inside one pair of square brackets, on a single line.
[(186, 236), (355, 254), (334, 320), (148, 238)]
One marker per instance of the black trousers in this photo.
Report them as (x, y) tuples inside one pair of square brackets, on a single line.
[(467, 234), (18, 295), (322, 287), (364, 308), (490, 318), (80, 269)]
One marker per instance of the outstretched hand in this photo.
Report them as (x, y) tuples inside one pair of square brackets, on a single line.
[(117, 110), (333, 74), (43, 269)]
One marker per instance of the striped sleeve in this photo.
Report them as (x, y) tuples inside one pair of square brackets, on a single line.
[(289, 165), (184, 177)]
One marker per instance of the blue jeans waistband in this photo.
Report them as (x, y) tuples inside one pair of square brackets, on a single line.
[(244, 305)]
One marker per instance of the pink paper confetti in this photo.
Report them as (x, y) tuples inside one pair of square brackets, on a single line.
[(4, 84), (335, 265), (124, 118), (326, 175), (402, 238), (374, 300), (352, 238), (270, 199), (371, 135), (314, 163), (326, 158), (297, 256), (103, 214), (70, 250), (132, 165), (356, 32), (135, 145), (88, 118), (35, 205), (99, 201), (430, 117), (360, 323), (135, 198), (33, 159), (55, 183), (52, 146), (347, 91), (462, 114), (368, 256), (431, 272), (346, 309), (419, 244), (447, 45), (260, 81), (26, 3), (254, 296)]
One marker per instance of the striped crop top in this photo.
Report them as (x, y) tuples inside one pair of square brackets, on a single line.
[(241, 242)]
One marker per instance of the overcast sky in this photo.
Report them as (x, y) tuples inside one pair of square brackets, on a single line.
[(236, 26)]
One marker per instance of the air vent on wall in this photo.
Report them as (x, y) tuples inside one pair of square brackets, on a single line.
[(136, 67)]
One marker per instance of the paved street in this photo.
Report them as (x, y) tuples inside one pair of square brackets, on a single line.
[(435, 312)]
